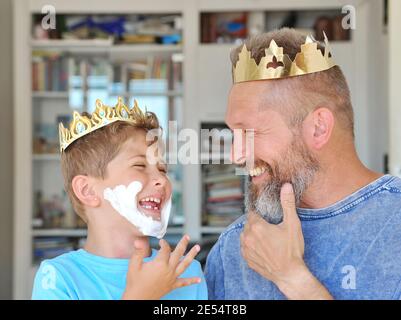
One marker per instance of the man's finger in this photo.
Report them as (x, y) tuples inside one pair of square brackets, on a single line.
[(183, 265), (183, 282), (179, 250), (164, 252), (287, 200)]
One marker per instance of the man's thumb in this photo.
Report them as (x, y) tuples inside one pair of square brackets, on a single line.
[(287, 199)]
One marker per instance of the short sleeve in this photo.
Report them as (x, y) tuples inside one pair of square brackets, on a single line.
[(49, 284), (214, 274), (202, 293)]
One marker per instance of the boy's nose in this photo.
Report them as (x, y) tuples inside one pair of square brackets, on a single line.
[(159, 181)]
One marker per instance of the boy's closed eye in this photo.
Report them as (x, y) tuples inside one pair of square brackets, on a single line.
[(161, 167), (139, 165)]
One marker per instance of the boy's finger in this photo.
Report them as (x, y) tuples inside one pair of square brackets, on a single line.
[(164, 252), (183, 265), (179, 251), (138, 255), (183, 282)]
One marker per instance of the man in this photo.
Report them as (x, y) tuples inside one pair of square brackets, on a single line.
[(318, 223)]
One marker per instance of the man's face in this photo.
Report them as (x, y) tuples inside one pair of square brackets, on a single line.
[(278, 155)]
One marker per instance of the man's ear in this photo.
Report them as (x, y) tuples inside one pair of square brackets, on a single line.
[(84, 189), (319, 127)]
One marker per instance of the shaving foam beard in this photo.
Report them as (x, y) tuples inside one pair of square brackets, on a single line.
[(298, 166), (124, 200)]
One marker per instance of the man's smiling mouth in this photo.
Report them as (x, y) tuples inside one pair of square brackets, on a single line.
[(257, 171)]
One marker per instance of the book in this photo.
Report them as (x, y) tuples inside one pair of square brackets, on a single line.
[(49, 72), (223, 195), (225, 192)]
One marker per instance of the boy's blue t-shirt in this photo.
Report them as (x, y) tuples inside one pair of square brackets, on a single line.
[(80, 275)]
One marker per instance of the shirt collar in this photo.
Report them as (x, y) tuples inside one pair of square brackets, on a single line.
[(348, 202)]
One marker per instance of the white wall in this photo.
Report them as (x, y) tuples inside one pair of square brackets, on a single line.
[(394, 87), (6, 149), (378, 116)]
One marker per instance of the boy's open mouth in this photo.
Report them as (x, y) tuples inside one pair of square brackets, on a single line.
[(151, 206)]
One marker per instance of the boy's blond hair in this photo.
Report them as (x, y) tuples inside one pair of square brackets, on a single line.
[(90, 154)]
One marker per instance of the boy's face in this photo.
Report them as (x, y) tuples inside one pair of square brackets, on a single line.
[(137, 160)]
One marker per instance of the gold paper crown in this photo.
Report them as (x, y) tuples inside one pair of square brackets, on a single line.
[(275, 64), (103, 115)]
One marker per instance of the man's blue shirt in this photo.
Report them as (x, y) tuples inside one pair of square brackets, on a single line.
[(352, 247)]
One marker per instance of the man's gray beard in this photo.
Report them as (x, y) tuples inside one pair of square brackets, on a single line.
[(300, 174)]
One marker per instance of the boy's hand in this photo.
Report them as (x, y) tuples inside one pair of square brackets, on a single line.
[(154, 279)]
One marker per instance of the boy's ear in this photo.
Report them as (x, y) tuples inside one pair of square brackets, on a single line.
[(84, 190)]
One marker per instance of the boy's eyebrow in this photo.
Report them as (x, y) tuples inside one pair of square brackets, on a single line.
[(137, 156), (144, 156)]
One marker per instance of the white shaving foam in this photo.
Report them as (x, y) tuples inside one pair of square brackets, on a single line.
[(124, 200)]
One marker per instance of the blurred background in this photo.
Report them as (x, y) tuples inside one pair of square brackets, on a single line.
[(173, 57)]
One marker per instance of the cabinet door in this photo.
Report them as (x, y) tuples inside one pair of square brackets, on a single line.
[(214, 80)]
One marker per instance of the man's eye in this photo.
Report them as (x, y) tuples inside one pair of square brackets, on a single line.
[(164, 170), (139, 165)]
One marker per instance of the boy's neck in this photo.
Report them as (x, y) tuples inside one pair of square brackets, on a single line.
[(110, 241)]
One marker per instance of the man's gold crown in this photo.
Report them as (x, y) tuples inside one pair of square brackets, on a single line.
[(103, 115), (275, 64)]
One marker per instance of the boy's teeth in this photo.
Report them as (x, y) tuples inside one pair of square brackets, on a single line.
[(157, 200), (150, 207)]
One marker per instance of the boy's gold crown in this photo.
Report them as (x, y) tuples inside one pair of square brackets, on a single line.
[(81, 125), (275, 64)]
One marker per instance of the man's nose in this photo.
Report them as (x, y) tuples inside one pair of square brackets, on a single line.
[(238, 149)]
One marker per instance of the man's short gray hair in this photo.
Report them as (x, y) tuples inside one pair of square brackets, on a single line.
[(327, 88)]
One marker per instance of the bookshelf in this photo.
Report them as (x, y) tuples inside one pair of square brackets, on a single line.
[(71, 74), (199, 99)]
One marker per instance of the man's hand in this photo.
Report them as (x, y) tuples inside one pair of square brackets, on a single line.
[(154, 279), (276, 251)]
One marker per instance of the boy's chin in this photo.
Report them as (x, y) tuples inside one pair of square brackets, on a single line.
[(153, 214)]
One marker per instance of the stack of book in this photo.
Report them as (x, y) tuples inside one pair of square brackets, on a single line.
[(50, 247), (223, 27), (49, 72), (224, 195), (152, 68), (128, 29)]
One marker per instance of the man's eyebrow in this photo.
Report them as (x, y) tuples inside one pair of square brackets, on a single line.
[(236, 125)]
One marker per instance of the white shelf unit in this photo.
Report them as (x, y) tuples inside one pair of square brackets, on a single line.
[(207, 80), (50, 95), (100, 46), (57, 232)]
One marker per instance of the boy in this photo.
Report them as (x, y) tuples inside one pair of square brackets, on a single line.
[(119, 187)]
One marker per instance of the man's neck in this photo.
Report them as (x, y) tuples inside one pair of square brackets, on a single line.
[(113, 240), (337, 181)]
